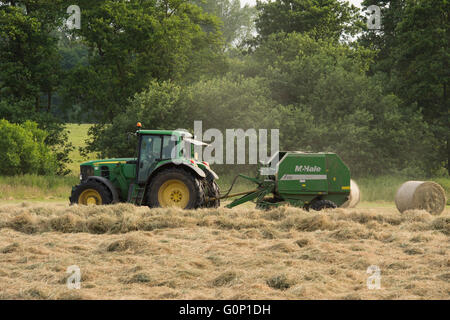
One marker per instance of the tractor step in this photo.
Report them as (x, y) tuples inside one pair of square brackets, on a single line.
[(136, 194)]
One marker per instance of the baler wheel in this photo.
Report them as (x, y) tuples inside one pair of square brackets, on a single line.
[(320, 205)]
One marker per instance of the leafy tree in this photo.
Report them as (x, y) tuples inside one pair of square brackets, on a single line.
[(160, 106), (224, 102), (29, 66), (56, 137), (315, 92), (294, 63), (73, 54), (319, 18), (24, 150), (413, 53), (237, 23), (231, 101), (383, 40), (329, 104), (133, 42)]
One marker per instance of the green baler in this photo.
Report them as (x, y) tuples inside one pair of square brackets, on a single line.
[(307, 180)]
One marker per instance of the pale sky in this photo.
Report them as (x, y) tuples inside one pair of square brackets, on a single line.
[(253, 2)]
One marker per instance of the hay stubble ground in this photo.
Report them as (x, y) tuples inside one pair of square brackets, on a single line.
[(126, 252)]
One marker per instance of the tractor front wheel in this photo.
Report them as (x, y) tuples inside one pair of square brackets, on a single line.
[(175, 188), (91, 193)]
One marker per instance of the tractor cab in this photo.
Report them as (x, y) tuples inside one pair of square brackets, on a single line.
[(156, 147), (160, 147)]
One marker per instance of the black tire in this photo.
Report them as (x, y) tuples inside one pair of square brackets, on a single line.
[(320, 205), (105, 194), (193, 184), (212, 191)]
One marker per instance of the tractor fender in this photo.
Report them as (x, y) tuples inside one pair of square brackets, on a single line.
[(213, 174), (109, 185), (199, 172)]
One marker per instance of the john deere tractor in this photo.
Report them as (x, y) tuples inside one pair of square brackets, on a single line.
[(166, 173)]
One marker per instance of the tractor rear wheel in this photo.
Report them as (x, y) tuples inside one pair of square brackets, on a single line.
[(212, 192), (320, 205), (175, 188), (91, 193)]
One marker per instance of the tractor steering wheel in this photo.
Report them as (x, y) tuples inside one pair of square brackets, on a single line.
[(151, 157)]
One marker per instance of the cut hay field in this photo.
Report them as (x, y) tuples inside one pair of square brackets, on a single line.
[(125, 252)]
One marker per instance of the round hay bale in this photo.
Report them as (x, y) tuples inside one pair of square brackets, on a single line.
[(355, 196), (420, 195)]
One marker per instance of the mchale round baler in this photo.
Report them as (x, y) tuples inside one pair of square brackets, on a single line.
[(307, 180)]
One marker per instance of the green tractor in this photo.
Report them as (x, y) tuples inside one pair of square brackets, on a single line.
[(163, 175)]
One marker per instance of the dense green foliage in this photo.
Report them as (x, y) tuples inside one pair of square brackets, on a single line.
[(378, 98), (321, 101), (133, 42), (331, 105), (24, 150), (321, 19), (237, 23), (29, 66), (414, 60), (29, 70)]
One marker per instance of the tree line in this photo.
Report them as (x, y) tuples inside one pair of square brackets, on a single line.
[(308, 67)]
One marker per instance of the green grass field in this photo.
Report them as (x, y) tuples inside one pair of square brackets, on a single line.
[(78, 135), (36, 188), (384, 188)]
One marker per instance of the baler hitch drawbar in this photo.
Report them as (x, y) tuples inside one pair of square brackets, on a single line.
[(264, 188)]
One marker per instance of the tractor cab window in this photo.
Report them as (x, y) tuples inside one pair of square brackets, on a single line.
[(150, 153), (169, 148)]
